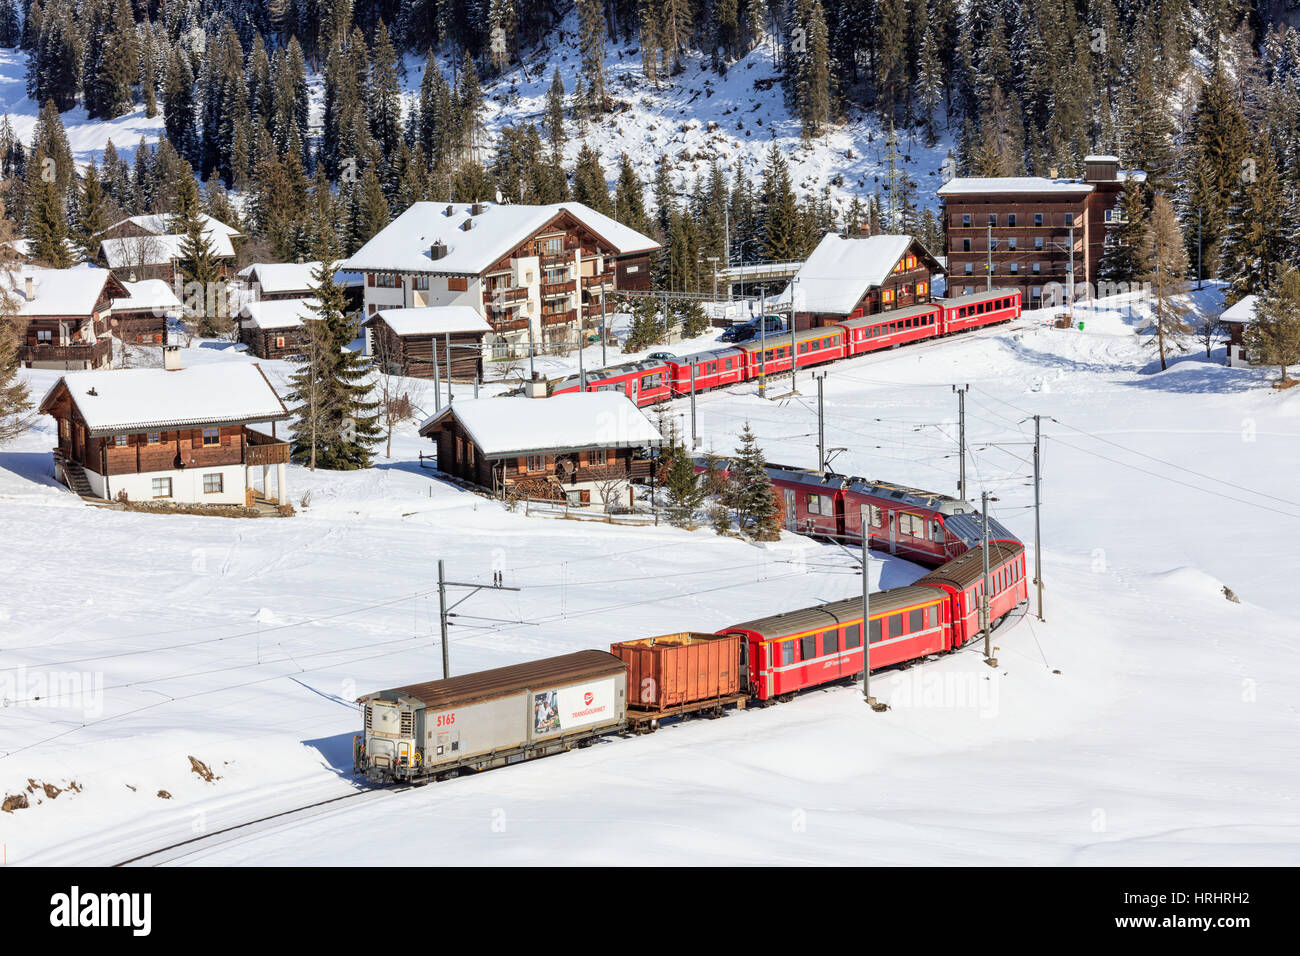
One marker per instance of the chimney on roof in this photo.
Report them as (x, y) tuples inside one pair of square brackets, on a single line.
[(476, 209), (29, 288), (467, 225), (535, 387), (1054, 173), (437, 250), (172, 358), (450, 210)]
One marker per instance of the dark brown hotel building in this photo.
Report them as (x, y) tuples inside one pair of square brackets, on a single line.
[(1030, 220)]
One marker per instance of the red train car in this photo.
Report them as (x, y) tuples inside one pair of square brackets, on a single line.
[(643, 382), (869, 333), (714, 368), (963, 580), (819, 645), (922, 526), (978, 309)]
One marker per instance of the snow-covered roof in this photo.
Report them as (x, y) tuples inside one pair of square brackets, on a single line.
[(143, 399), (151, 295), (975, 185), (128, 251), (162, 224), (1242, 311), (433, 320), (1100, 158), (279, 313), (276, 278), (71, 292), (23, 248), (404, 244), (506, 426), (840, 271)]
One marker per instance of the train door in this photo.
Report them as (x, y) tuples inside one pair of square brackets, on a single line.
[(839, 516), (791, 510), (893, 532)]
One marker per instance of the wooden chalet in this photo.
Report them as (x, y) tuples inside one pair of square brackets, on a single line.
[(170, 434), (578, 447), (407, 341), (149, 247), (141, 318), (849, 277), (273, 329), (63, 316)]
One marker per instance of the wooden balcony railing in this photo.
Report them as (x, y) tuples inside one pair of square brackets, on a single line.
[(262, 449), (507, 322), (605, 278), (516, 294), (559, 318), (558, 288), (92, 352)]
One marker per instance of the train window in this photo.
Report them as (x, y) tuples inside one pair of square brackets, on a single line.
[(874, 632), (830, 641), (787, 652), (936, 531), (895, 625), (876, 520), (853, 636), (808, 647), (916, 620)]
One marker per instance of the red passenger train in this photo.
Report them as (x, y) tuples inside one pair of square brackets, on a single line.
[(648, 382), (819, 645)]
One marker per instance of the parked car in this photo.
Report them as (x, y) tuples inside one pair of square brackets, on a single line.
[(745, 331), (661, 356)]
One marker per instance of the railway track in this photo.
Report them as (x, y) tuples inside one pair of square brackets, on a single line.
[(184, 848)]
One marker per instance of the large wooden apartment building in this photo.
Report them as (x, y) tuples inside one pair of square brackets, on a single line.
[(539, 271), (1033, 233)]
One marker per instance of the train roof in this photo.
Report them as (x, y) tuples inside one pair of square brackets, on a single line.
[(612, 371), (915, 497), (969, 529), (545, 674), (707, 355), (839, 612), (961, 300), (891, 316), (777, 339), (961, 572)]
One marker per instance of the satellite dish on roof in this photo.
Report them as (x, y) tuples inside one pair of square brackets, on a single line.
[(499, 199)]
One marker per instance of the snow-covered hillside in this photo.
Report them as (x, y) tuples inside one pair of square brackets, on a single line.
[(693, 118), (1148, 720)]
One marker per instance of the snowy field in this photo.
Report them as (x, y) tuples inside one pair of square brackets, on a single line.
[(1147, 721)]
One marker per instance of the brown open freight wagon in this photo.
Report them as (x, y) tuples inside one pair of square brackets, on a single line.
[(680, 674)]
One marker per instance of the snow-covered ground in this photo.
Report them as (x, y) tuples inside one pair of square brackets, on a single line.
[(1148, 720)]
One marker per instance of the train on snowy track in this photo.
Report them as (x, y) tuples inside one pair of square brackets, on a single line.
[(650, 381), (491, 718)]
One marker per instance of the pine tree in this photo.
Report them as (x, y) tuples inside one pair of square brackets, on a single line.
[(92, 213), (555, 117), (589, 185), (1122, 260), (750, 490), (11, 29), (118, 66), (1273, 338), (811, 68), (1257, 236), (778, 212), (682, 485), (179, 116), (1163, 248), (199, 267), (337, 423), (385, 99)]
